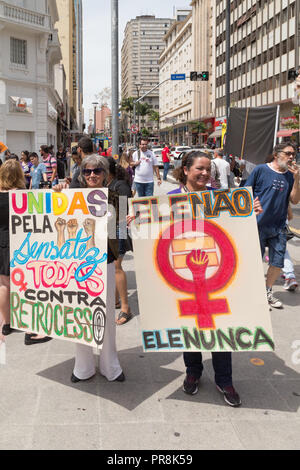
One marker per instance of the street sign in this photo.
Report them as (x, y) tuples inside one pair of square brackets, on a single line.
[(134, 129), (178, 76)]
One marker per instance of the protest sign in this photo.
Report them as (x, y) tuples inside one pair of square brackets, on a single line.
[(199, 273), (58, 269)]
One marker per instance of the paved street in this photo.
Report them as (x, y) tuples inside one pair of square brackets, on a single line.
[(41, 409)]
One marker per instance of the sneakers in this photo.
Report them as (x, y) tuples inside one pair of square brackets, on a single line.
[(273, 302), (190, 385), (231, 396), (290, 284)]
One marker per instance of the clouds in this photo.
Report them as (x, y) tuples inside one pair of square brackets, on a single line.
[(97, 38)]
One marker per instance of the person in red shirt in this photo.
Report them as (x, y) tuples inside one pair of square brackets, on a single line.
[(166, 161)]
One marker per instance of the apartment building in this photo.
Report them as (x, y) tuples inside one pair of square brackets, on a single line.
[(264, 47), (142, 47), (175, 97), (204, 60), (29, 51), (70, 36)]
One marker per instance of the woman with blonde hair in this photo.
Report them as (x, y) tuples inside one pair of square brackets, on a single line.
[(11, 178), (125, 160)]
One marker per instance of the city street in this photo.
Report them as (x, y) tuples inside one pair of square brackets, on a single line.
[(41, 409)]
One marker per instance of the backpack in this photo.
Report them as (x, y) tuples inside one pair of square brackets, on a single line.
[(216, 181)]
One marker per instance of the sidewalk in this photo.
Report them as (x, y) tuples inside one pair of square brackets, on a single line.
[(41, 409)]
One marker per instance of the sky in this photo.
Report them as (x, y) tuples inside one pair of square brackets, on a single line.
[(97, 37)]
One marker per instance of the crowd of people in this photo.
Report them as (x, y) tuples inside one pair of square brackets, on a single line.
[(275, 185), (44, 170)]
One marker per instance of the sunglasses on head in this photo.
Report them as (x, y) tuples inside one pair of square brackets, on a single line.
[(96, 171)]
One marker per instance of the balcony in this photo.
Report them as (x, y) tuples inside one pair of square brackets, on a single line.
[(28, 18)]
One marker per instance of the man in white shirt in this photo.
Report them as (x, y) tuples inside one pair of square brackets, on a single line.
[(223, 167), (145, 163)]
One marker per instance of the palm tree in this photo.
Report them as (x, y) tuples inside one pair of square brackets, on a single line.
[(143, 110), (127, 106)]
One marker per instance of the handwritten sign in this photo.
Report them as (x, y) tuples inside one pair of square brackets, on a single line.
[(58, 248), (199, 273)]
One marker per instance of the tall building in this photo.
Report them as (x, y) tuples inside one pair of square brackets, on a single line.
[(204, 60), (264, 47), (102, 113), (142, 47), (29, 50), (70, 36), (175, 96)]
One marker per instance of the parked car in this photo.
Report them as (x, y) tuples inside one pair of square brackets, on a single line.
[(176, 151), (158, 154), (178, 158)]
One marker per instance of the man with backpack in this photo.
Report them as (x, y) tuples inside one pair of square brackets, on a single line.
[(145, 163)]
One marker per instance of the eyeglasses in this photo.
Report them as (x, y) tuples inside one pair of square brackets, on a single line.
[(96, 171), (289, 154)]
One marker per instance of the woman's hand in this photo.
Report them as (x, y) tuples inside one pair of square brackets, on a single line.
[(58, 188), (130, 219)]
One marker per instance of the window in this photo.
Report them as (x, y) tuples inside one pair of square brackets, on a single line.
[(18, 51)]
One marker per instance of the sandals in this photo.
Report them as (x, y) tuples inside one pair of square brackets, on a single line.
[(30, 338), (124, 316), (118, 305)]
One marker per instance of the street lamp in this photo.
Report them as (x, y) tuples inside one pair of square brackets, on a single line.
[(95, 116)]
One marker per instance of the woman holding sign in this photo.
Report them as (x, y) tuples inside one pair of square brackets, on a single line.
[(11, 178), (94, 171), (194, 175)]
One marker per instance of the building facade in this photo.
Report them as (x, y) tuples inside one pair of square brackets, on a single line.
[(142, 47), (102, 113), (204, 60), (70, 36), (175, 96), (264, 47), (30, 49)]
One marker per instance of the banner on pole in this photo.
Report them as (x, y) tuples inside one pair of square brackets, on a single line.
[(251, 133), (58, 269), (199, 273)]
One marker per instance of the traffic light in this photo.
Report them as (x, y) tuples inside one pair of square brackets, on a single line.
[(196, 76), (205, 76)]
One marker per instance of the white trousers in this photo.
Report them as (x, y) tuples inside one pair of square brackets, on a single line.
[(288, 269), (109, 365)]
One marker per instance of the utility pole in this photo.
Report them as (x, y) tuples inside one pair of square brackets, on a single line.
[(115, 75), (227, 59), (95, 118)]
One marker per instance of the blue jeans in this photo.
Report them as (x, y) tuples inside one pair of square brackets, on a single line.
[(275, 239), (144, 189), (166, 170), (222, 365)]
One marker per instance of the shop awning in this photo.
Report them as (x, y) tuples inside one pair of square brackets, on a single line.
[(286, 132), (216, 134)]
